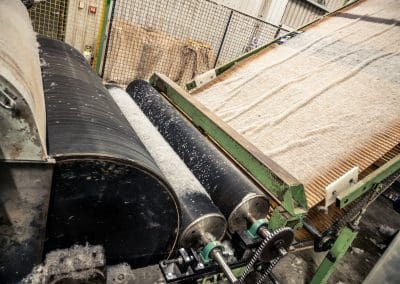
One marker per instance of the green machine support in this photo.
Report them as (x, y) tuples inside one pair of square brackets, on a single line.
[(335, 254), (102, 35), (287, 191)]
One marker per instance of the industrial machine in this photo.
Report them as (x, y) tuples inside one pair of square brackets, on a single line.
[(96, 179)]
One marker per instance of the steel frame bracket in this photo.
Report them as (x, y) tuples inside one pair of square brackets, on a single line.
[(277, 182), (205, 253), (335, 254), (368, 183)]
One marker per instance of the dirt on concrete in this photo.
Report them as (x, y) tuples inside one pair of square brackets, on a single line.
[(376, 227)]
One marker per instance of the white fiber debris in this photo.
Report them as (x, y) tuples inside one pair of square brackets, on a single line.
[(320, 97), (19, 58), (174, 169)]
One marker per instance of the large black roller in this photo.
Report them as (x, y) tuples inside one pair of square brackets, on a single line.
[(202, 223), (201, 219), (107, 189), (229, 188)]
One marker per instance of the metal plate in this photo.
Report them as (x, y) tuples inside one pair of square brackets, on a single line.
[(24, 197), (335, 188)]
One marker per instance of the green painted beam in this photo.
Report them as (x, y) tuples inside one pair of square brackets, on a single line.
[(352, 193), (102, 36), (285, 189), (221, 69), (339, 249)]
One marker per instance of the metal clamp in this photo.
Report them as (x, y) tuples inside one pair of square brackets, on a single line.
[(206, 251), (253, 230), (8, 102)]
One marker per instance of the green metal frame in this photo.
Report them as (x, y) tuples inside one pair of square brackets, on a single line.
[(280, 184), (369, 182), (221, 69), (286, 190), (335, 254), (102, 36)]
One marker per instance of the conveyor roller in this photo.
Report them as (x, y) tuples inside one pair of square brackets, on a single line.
[(107, 189)]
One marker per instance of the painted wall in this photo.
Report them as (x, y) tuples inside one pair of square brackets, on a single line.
[(83, 23)]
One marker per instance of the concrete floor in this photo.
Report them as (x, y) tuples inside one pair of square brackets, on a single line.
[(359, 260), (299, 268)]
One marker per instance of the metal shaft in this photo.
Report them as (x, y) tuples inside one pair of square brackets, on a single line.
[(311, 229), (216, 255), (263, 232)]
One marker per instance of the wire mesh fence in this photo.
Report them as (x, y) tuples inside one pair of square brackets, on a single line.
[(180, 38), (49, 18), (84, 24)]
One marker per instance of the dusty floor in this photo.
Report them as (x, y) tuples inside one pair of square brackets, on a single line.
[(359, 260)]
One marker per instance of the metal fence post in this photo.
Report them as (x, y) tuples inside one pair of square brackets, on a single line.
[(108, 38), (223, 38)]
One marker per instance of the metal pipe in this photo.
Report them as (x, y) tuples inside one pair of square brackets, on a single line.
[(216, 255), (312, 230), (263, 232)]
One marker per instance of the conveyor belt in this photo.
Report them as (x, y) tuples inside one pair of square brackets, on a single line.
[(323, 221), (377, 148), (323, 102)]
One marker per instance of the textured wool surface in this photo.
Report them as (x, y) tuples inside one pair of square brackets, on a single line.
[(322, 95)]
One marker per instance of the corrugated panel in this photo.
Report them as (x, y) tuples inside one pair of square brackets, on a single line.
[(299, 13), (250, 7), (333, 5), (276, 11)]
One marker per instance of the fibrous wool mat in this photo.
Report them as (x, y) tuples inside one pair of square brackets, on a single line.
[(324, 101)]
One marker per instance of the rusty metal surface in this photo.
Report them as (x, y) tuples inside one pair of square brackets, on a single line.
[(24, 197)]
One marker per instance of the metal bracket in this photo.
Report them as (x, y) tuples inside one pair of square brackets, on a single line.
[(340, 247), (368, 183), (205, 253), (252, 231), (7, 102), (339, 185)]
